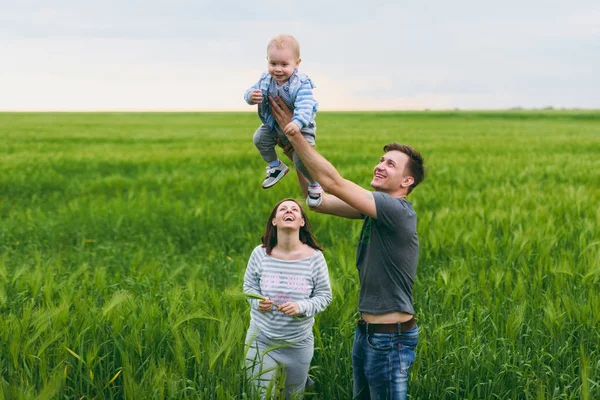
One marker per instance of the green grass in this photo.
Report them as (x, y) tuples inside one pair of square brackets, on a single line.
[(122, 237)]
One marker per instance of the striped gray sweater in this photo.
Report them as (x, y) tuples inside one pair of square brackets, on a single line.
[(305, 282)]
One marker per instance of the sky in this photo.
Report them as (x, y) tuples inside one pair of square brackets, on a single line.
[(370, 55)]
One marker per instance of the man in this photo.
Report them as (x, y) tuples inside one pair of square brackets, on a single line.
[(386, 259)]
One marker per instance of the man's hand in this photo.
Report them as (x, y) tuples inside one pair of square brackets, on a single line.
[(256, 96), (281, 113), (291, 129)]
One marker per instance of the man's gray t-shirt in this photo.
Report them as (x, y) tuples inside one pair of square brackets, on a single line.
[(387, 256)]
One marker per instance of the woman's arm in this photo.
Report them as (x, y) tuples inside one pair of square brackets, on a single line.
[(252, 285), (321, 294)]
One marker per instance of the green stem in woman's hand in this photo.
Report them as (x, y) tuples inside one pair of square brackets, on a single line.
[(259, 297), (255, 296)]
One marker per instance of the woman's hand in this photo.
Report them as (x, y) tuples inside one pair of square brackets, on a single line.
[(281, 113), (265, 305), (290, 308)]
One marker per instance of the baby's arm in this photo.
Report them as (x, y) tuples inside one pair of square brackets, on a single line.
[(253, 95), (304, 105)]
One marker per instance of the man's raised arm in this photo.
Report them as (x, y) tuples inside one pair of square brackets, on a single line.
[(349, 195)]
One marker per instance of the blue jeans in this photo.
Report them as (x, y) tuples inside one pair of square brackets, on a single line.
[(380, 362)]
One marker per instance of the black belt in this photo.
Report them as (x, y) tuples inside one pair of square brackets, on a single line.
[(397, 327)]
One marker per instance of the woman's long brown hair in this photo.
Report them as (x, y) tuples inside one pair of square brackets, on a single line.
[(269, 238)]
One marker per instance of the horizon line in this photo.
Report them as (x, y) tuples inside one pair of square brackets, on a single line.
[(190, 110)]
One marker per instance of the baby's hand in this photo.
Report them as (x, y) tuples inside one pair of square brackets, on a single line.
[(256, 96), (291, 129)]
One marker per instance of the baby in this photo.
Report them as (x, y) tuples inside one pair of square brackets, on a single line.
[(294, 88)]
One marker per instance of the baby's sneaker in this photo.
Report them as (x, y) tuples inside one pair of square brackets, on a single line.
[(274, 174), (315, 196)]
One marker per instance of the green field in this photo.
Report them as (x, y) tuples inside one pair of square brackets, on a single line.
[(124, 239)]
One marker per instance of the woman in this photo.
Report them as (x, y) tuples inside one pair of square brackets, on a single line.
[(290, 272)]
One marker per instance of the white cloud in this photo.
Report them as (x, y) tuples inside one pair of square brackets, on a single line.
[(582, 24), (203, 55)]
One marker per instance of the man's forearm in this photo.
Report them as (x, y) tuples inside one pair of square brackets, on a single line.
[(320, 169), (334, 206), (303, 183)]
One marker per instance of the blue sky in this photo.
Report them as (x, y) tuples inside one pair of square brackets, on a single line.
[(203, 55)]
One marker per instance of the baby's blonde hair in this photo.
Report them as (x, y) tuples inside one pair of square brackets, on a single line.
[(282, 41)]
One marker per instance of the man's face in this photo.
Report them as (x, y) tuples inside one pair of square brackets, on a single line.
[(282, 63), (389, 175)]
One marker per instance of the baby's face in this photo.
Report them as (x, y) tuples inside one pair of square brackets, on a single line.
[(282, 63)]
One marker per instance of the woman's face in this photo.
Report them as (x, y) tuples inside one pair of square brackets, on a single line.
[(288, 216)]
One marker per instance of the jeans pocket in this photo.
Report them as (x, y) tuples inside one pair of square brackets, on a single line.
[(406, 352), (380, 341)]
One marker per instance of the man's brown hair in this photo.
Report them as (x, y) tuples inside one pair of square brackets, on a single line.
[(414, 165)]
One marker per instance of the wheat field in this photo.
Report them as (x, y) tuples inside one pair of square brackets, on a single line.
[(124, 238)]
